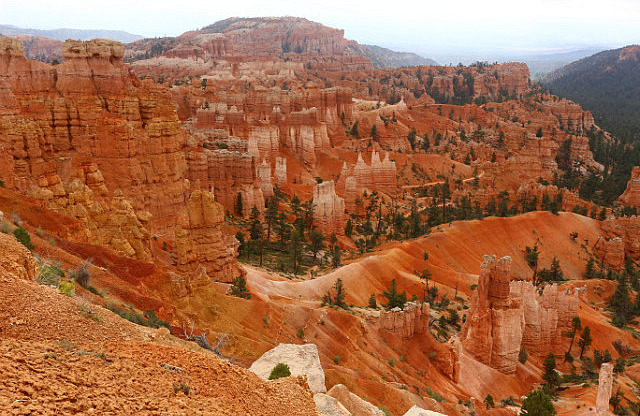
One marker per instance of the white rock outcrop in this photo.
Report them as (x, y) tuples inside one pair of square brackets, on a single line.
[(353, 403), (418, 411), (329, 406), (301, 359)]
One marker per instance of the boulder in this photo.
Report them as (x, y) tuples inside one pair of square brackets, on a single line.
[(353, 403), (301, 359), (417, 411), (329, 406)]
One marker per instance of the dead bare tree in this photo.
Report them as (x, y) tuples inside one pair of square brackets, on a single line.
[(222, 341)]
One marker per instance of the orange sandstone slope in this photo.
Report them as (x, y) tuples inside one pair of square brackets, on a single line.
[(455, 255), (62, 355)]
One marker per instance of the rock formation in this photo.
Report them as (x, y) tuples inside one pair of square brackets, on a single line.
[(264, 173), (378, 176), (301, 359), (200, 241), (406, 322), (417, 411), (621, 240), (16, 260), (605, 382), (280, 173), (90, 109), (631, 195), (354, 404), (328, 209), (505, 315), (232, 176), (329, 406)]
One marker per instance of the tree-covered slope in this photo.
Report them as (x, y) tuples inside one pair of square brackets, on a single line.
[(607, 84)]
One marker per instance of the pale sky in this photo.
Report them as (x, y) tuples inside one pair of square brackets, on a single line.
[(421, 26)]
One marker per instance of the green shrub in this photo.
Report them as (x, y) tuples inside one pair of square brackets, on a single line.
[(181, 387), (300, 333), (50, 274), (67, 288), (239, 288), (23, 237), (337, 359), (522, 355), (279, 371)]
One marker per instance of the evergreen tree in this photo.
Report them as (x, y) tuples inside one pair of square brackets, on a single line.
[(550, 375), (339, 298), (354, 130), (239, 288), (620, 303), (395, 299), (590, 269), (348, 229), (316, 243), (372, 301), (585, 340), (576, 325), (23, 237), (488, 401), (537, 403)]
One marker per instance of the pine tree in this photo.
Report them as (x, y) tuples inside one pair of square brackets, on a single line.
[(394, 298), (576, 325), (537, 403), (372, 301), (585, 340), (550, 375), (239, 288), (23, 237)]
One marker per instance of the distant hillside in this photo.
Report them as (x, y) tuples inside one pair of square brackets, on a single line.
[(386, 58), (607, 84), (64, 34), (269, 36)]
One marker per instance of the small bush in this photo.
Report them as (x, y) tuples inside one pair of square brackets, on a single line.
[(435, 396), (23, 237), (5, 227), (522, 355), (2, 184), (279, 371), (181, 387), (300, 333), (337, 359), (154, 321), (67, 288), (50, 274)]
